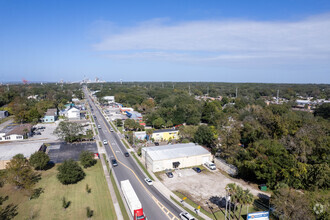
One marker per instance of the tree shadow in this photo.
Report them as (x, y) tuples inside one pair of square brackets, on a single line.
[(9, 212), (36, 193), (50, 165)]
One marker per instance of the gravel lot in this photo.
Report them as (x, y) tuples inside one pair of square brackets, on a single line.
[(47, 134), (200, 187)]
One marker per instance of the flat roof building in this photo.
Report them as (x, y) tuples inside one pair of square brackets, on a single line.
[(160, 158)]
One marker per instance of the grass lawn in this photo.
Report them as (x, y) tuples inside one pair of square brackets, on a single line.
[(218, 213), (49, 204)]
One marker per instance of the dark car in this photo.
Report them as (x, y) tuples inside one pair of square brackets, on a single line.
[(114, 162), (169, 174), (197, 169), (156, 144), (37, 133), (126, 154)]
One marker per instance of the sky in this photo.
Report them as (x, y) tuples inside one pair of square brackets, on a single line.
[(282, 41)]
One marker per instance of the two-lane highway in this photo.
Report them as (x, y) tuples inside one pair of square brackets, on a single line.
[(155, 205)]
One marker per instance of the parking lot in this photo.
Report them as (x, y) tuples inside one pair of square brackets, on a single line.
[(200, 187), (46, 134), (60, 152)]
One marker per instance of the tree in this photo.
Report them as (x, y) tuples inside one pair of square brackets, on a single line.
[(246, 199), (119, 122), (39, 160), (158, 123), (89, 212), (204, 136), (65, 204), (20, 173), (9, 211), (87, 159), (291, 204), (70, 172), (68, 131), (323, 111)]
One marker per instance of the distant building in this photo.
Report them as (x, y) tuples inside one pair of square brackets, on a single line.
[(109, 99), (18, 132), (174, 156), (50, 115), (165, 135), (134, 115), (75, 100), (140, 135), (4, 114)]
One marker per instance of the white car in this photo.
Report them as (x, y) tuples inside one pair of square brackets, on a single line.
[(105, 142), (148, 181), (186, 216)]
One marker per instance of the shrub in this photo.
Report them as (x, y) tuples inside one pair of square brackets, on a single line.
[(39, 160), (70, 172), (87, 159), (89, 212)]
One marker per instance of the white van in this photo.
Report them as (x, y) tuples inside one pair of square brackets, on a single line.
[(210, 165)]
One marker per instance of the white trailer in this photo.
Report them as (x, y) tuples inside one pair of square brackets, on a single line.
[(132, 200)]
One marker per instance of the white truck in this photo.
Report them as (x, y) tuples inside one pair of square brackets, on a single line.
[(132, 200), (210, 165)]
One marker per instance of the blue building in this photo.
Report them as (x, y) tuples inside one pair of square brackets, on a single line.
[(50, 115)]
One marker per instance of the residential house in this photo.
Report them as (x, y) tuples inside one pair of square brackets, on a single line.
[(165, 135), (73, 113), (18, 132), (50, 115)]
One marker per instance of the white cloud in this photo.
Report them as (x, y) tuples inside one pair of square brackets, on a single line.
[(222, 41)]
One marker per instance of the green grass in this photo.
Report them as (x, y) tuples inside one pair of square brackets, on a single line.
[(100, 143), (219, 214), (49, 204), (120, 200), (188, 210), (141, 165), (126, 145)]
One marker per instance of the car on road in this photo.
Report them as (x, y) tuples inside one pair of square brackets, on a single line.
[(114, 162), (126, 154), (186, 216), (156, 144), (99, 126), (105, 142), (94, 116), (148, 181), (111, 129), (169, 174), (197, 169)]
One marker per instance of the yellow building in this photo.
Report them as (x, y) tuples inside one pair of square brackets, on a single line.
[(165, 135)]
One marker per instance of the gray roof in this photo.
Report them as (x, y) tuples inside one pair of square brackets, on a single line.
[(175, 151), (165, 130), (7, 151)]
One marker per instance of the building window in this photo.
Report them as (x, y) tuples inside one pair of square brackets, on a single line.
[(7, 138), (19, 137)]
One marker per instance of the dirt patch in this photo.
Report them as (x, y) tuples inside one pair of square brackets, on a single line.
[(200, 187)]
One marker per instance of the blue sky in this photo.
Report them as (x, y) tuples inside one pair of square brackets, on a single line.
[(227, 41)]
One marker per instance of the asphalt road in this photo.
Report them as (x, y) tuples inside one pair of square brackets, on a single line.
[(155, 205)]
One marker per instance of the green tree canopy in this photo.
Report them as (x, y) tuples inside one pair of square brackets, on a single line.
[(68, 131), (87, 159), (69, 172), (39, 160)]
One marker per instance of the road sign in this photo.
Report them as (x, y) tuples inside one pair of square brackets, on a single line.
[(184, 198), (199, 207), (258, 216)]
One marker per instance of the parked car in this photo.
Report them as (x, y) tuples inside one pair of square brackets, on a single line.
[(186, 216), (148, 181), (105, 142), (197, 169), (156, 144), (37, 133), (210, 165), (126, 154), (169, 174), (114, 162)]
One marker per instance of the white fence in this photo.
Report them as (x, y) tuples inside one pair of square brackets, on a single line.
[(228, 168)]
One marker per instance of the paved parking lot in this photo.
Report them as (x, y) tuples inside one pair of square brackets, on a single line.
[(60, 152), (47, 133), (202, 186)]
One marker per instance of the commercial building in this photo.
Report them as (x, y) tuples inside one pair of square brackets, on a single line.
[(160, 158), (50, 115), (165, 135), (109, 99), (15, 133), (140, 135)]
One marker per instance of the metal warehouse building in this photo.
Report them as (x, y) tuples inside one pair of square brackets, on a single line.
[(174, 156)]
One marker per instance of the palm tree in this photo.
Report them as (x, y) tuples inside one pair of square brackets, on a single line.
[(246, 199), (235, 193)]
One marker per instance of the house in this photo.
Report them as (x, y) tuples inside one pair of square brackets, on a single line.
[(18, 132), (50, 115), (160, 158), (4, 114), (73, 113), (165, 135)]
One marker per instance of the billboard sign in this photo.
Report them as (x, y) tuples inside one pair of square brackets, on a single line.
[(258, 216)]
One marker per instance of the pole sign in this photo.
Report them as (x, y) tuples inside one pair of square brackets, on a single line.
[(258, 216)]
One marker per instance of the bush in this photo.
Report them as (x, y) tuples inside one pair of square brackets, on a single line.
[(89, 212), (70, 172), (39, 160), (87, 159)]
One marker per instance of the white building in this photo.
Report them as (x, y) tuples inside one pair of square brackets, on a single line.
[(160, 158), (73, 113), (109, 99), (17, 133)]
